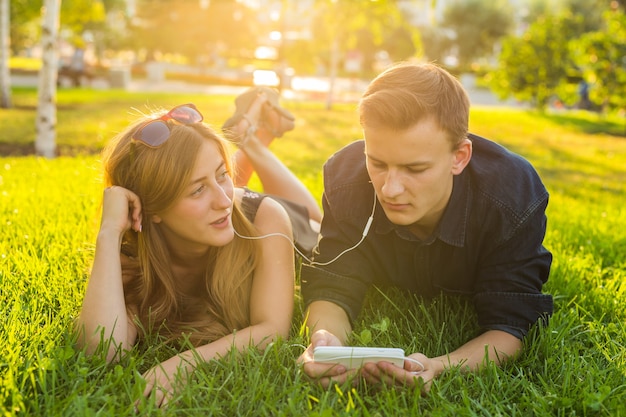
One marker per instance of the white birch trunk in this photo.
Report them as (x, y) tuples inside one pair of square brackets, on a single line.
[(45, 143), (334, 63), (5, 52)]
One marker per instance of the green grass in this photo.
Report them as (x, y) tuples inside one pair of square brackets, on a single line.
[(49, 213)]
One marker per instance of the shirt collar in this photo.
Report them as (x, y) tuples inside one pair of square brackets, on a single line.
[(453, 224)]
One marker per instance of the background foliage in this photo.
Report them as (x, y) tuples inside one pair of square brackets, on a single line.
[(533, 50)]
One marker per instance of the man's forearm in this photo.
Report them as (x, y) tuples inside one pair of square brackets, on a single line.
[(492, 346), (330, 317)]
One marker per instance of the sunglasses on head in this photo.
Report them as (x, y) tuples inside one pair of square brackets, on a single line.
[(155, 132)]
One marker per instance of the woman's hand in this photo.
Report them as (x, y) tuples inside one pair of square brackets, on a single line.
[(121, 210), (162, 379)]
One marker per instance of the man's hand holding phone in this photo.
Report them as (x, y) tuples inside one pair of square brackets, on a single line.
[(417, 369), (325, 373), (326, 361)]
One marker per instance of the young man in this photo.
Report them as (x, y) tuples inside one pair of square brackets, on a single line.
[(452, 212)]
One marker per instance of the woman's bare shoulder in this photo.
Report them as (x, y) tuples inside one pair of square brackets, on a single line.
[(272, 217)]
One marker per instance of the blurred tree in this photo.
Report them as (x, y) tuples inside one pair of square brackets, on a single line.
[(357, 25), (80, 15), (45, 142), (111, 34), (437, 42), (25, 24), (300, 55), (591, 10), (5, 40), (76, 17), (557, 52), (401, 43), (601, 55), (478, 26), (193, 29), (339, 26), (367, 45), (90, 21), (532, 67)]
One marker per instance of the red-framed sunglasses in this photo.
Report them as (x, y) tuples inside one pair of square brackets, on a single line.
[(155, 132)]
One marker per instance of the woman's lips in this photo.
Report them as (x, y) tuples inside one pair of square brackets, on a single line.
[(222, 222)]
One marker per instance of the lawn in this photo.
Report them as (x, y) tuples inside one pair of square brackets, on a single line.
[(49, 214)]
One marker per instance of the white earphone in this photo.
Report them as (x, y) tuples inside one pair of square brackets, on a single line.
[(366, 230)]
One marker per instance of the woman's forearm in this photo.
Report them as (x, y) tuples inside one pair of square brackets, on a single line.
[(103, 314), (259, 336)]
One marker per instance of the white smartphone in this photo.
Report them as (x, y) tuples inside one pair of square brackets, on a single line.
[(355, 357)]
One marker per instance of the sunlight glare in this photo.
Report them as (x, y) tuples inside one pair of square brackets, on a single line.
[(309, 84), (265, 77), (266, 52)]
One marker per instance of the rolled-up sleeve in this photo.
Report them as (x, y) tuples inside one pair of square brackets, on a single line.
[(320, 284)]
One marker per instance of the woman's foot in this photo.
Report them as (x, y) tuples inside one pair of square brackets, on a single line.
[(257, 109), (248, 124), (275, 118)]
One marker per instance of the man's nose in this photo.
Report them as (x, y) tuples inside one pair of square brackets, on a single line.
[(393, 185)]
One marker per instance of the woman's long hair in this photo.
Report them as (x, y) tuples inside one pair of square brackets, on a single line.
[(158, 176)]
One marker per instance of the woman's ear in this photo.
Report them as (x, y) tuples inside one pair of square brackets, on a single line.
[(462, 156), (155, 219)]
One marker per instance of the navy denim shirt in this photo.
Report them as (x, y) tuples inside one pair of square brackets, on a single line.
[(487, 246)]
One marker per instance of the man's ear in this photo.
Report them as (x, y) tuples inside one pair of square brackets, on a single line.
[(156, 219), (462, 156)]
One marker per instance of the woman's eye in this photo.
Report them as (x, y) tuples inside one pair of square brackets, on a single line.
[(224, 174), (198, 190)]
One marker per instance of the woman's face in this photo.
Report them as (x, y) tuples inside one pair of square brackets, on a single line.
[(202, 216)]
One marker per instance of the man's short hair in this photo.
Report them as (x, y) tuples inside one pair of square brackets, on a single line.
[(406, 94)]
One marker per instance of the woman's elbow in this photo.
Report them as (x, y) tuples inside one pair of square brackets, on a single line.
[(96, 343), (273, 332)]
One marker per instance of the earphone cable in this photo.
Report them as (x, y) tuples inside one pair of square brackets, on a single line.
[(309, 261)]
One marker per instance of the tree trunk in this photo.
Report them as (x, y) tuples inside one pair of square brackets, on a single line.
[(5, 43), (45, 143), (332, 78)]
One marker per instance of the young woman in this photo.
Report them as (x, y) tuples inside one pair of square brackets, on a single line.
[(173, 254)]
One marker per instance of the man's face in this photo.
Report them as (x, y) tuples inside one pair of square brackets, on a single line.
[(412, 172)]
